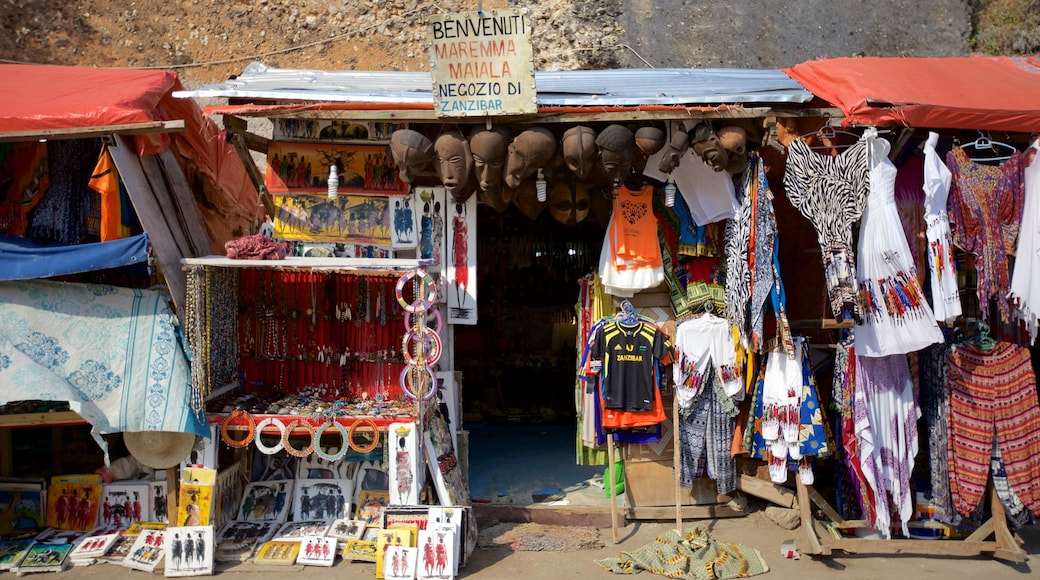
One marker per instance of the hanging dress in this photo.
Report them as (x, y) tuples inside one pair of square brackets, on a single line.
[(631, 258), (886, 427), (1025, 280), (985, 208), (946, 298), (830, 191), (896, 316)]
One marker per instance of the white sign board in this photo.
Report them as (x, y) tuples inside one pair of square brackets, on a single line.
[(481, 63)]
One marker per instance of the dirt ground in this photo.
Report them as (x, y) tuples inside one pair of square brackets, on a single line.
[(755, 530)]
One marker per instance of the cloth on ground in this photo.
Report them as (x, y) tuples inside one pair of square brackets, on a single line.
[(693, 556)]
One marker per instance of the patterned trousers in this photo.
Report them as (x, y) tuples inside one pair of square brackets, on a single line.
[(706, 431)]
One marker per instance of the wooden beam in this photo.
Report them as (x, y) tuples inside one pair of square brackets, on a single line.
[(692, 512), (185, 205), (254, 142), (901, 546), (775, 494), (55, 419), (239, 143), (92, 132), (808, 523), (168, 242)]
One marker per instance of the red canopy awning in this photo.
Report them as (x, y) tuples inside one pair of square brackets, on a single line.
[(974, 92), (43, 98)]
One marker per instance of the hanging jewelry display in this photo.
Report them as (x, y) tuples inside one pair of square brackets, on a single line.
[(231, 418), (311, 434), (357, 424), (258, 439)]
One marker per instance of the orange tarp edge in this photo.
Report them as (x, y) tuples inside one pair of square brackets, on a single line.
[(53, 98), (973, 92)]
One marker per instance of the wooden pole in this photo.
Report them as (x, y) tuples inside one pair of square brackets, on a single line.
[(677, 465), (613, 488)]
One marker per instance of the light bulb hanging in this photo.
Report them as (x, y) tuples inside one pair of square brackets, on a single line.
[(669, 192), (540, 187), (333, 183)]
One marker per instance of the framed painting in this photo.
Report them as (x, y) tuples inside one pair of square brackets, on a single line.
[(299, 167), (333, 130), (405, 234), (437, 553), (12, 550), (159, 502), (350, 219), (93, 547), (387, 539), (431, 205), (345, 530), (238, 539), (298, 530), (399, 563), (194, 503), (370, 506), (44, 557), (189, 551)]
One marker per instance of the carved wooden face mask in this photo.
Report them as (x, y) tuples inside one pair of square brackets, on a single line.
[(529, 151), (454, 163), (579, 150), (489, 148), (615, 152), (412, 152), (568, 204)]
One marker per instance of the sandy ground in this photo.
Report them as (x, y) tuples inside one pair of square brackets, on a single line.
[(754, 530)]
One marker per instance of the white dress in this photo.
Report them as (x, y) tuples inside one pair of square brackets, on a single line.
[(1025, 280), (896, 315), (946, 299)]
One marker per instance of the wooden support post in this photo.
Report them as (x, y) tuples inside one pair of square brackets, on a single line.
[(677, 465), (813, 545), (613, 488)]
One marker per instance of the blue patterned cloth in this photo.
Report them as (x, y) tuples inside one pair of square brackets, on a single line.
[(112, 353)]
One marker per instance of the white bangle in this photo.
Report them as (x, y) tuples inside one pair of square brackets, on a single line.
[(258, 439)]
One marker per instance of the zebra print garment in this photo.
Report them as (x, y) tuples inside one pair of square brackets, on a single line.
[(831, 192)]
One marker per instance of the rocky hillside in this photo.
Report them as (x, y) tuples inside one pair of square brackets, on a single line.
[(207, 41)]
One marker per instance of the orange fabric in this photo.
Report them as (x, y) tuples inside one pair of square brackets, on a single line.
[(634, 230), (105, 181), (617, 419), (979, 92)]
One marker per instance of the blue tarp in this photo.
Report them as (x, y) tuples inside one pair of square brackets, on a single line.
[(21, 259)]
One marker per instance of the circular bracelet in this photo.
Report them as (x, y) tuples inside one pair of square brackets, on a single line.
[(288, 432), (429, 337), (343, 446), (408, 385), (265, 449), (438, 317), (420, 305), (250, 423), (353, 428)]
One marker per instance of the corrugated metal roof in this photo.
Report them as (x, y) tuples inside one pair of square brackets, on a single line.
[(614, 87)]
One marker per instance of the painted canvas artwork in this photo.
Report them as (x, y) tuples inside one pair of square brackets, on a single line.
[(305, 167), (21, 506), (461, 286), (360, 551), (437, 553), (399, 563), (317, 551), (93, 547), (12, 550), (189, 551), (322, 499), (405, 475), (351, 219), (387, 539), (405, 234), (44, 557), (147, 551), (238, 540), (370, 506), (159, 503), (298, 530), (278, 553), (431, 205), (267, 501), (123, 503), (73, 502), (194, 504)]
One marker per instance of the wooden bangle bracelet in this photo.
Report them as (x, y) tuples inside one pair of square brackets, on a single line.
[(250, 422), (343, 446), (375, 435), (288, 432), (272, 449)]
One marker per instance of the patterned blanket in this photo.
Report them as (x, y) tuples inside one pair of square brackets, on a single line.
[(697, 556), (113, 353)]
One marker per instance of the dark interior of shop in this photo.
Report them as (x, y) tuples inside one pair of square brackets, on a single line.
[(518, 363)]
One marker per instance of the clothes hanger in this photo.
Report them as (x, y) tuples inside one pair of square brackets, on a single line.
[(987, 149), (983, 340), (827, 134)]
